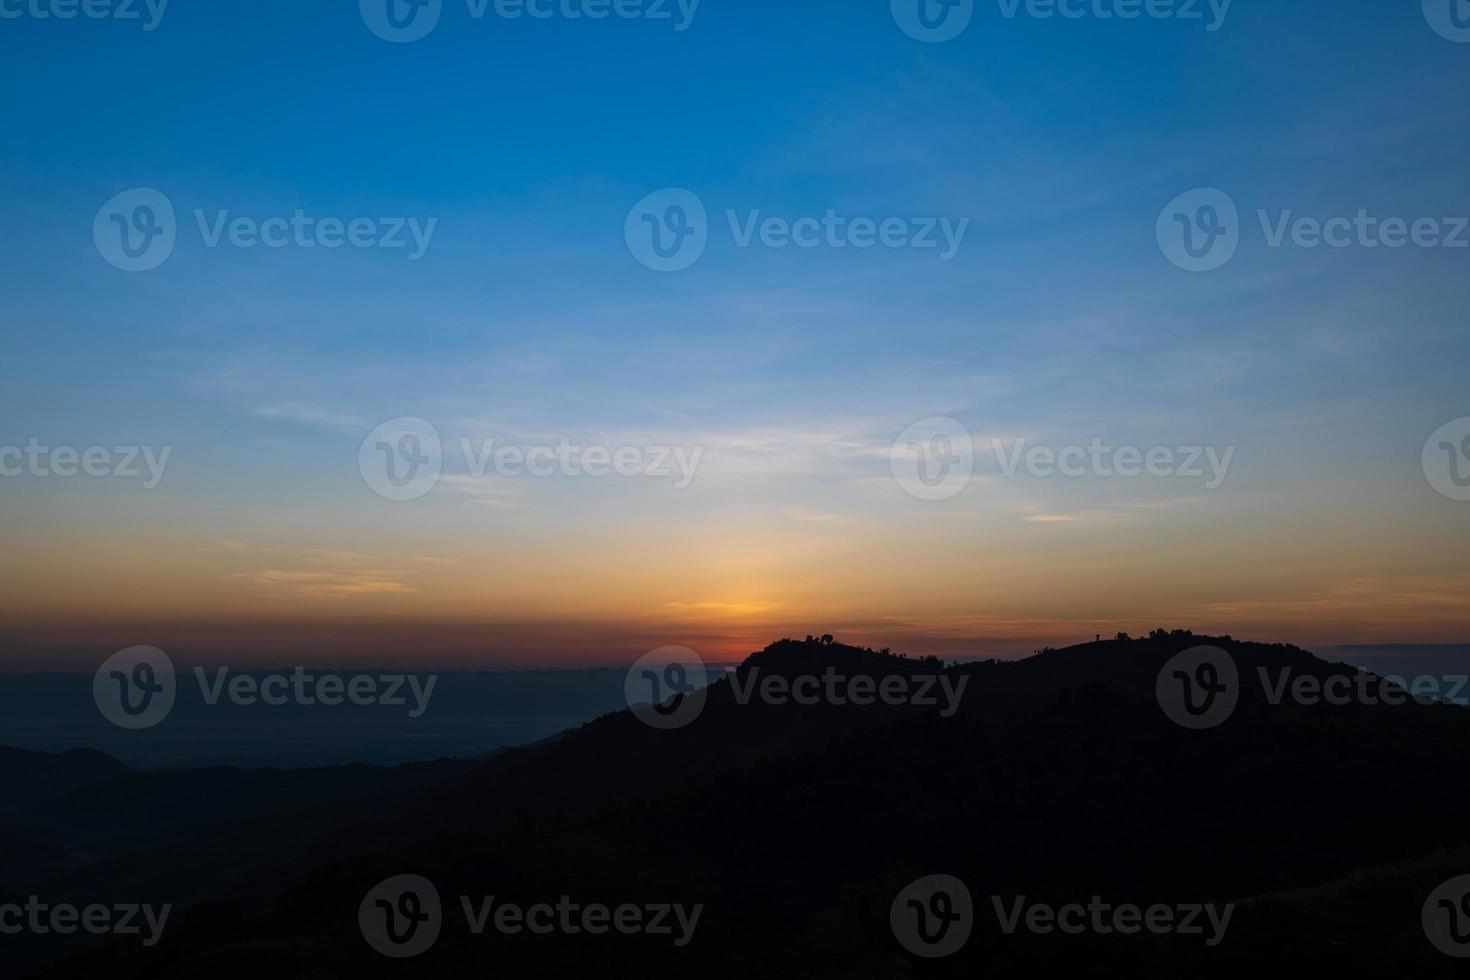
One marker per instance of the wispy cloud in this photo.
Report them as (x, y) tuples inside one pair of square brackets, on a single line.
[(328, 574), (320, 585), (483, 491)]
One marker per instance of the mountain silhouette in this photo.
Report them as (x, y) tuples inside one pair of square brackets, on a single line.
[(1055, 778)]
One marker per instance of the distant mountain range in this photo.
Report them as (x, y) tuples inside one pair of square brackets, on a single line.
[(794, 827), (473, 712)]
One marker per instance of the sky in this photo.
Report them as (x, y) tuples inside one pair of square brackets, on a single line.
[(798, 386)]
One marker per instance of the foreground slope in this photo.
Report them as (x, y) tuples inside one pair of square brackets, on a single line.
[(1057, 778)]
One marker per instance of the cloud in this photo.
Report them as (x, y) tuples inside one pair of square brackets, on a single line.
[(801, 515), (309, 415), (484, 491), (331, 574), (736, 608), (321, 585)]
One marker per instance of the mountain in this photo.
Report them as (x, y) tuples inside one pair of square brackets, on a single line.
[(1052, 780), (37, 777), (473, 712)]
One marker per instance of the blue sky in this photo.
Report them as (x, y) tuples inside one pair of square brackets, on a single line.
[(528, 319)]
